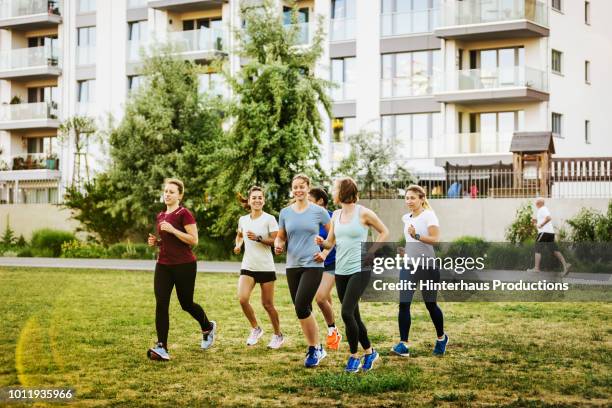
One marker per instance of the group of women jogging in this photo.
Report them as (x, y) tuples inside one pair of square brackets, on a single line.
[(323, 249)]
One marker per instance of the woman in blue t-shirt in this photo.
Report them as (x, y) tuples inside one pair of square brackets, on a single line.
[(298, 226)]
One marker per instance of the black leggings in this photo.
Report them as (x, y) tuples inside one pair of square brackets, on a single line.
[(429, 296), (183, 277), (350, 288), (303, 284)]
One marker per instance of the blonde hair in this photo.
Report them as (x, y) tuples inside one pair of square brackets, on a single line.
[(418, 190), (178, 183), (303, 177)]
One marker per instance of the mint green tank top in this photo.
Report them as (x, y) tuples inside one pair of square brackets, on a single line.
[(349, 238)]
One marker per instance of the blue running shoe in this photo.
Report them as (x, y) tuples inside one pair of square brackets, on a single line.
[(440, 347), (400, 349), (209, 338), (368, 360), (312, 357), (352, 365), (158, 353)]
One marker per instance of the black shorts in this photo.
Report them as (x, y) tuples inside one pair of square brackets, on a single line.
[(260, 277), (545, 240)]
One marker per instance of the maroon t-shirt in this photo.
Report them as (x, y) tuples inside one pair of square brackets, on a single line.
[(173, 251)]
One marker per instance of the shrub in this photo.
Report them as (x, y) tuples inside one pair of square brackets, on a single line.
[(79, 249), (583, 224), (48, 242), (209, 249), (522, 228), (466, 246), (25, 252), (128, 250)]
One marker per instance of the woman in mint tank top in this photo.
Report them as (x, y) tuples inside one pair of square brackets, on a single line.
[(349, 230)]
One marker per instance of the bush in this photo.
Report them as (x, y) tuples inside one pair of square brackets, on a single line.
[(506, 256), (583, 225), (79, 249), (209, 249), (25, 252), (128, 250), (466, 246), (522, 229), (48, 242)]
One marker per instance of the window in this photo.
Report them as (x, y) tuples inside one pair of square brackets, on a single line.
[(587, 131), (587, 12), (557, 60), (409, 73), (401, 17), (342, 128), (587, 72), (86, 91), (410, 135), (87, 6), (37, 145), (134, 82), (556, 5), (343, 75), (137, 38), (557, 124), (86, 45), (214, 23), (342, 20), (43, 94)]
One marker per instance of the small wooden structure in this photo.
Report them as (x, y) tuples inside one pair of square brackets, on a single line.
[(532, 147)]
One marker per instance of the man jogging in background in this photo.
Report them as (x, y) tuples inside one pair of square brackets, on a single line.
[(546, 237)]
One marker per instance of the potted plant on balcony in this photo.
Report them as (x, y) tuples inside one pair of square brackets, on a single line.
[(52, 161), (15, 100), (19, 163), (52, 110)]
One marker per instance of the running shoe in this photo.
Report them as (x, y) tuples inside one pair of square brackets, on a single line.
[(314, 355), (368, 360), (208, 338), (440, 347), (334, 339), (567, 270), (158, 353), (276, 341), (254, 337), (353, 365), (400, 349)]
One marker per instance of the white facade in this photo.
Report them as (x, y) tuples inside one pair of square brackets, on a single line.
[(443, 80)]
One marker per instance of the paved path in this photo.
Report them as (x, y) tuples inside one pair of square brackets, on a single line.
[(234, 267)]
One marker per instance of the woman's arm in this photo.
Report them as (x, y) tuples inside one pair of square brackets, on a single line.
[(280, 241), (372, 220), (331, 237), (269, 240), (433, 236)]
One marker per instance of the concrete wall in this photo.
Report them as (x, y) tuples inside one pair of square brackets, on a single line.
[(487, 218), (26, 218)]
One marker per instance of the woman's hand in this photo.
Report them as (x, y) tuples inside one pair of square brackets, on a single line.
[(152, 240), (279, 249), (236, 250), (251, 235), (320, 256), (166, 226), (411, 231), (319, 240)]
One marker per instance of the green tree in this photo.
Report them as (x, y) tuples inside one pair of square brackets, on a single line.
[(275, 121), (522, 228), (81, 128), (167, 130), (8, 239)]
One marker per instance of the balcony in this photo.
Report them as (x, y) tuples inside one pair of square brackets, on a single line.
[(29, 63), (86, 55), (345, 91), (409, 22), (462, 144), (406, 87), (512, 84), (132, 4), (29, 14), (202, 44), (493, 19), (25, 116), (182, 6), (342, 29)]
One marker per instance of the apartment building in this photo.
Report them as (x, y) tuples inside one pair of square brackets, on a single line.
[(444, 81)]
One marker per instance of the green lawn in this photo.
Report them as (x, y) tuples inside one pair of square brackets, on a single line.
[(91, 329)]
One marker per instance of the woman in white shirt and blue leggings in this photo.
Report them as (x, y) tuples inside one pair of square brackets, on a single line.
[(422, 231)]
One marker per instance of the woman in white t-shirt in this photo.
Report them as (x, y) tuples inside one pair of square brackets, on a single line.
[(257, 230), (421, 231)]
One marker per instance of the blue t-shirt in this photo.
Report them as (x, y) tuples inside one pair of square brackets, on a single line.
[(331, 257), (301, 229)]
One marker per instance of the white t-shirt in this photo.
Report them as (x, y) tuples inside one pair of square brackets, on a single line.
[(257, 256), (421, 223), (541, 214)]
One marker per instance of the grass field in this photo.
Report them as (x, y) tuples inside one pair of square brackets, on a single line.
[(90, 330)]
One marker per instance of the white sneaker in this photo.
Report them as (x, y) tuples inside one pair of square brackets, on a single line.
[(276, 341), (256, 334), (209, 338)]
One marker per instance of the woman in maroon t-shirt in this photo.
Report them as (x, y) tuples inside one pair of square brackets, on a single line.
[(176, 266)]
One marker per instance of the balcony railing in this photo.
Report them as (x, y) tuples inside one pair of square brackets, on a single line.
[(201, 40), (136, 3), (478, 79), (34, 161), (472, 143), (493, 11), (86, 108), (22, 8), (29, 111), (409, 22), (33, 57), (342, 29), (86, 55), (134, 48), (344, 92), (421, 85)]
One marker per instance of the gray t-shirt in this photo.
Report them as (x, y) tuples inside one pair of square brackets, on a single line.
[(301, 229)]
